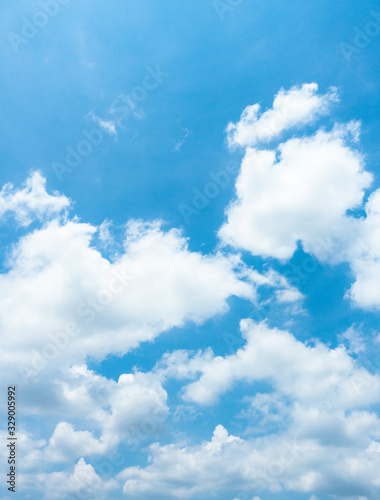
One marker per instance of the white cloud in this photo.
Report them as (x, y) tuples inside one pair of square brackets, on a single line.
[(307, 374), (82, 483), (273, 463), (353, 336), (327, 442), (28, 447), (178, 144), (59, 290), (302, 192), (66, 444), (109, 126), (105, 235), (301, 195), (32, 202), (291, 108), (363, 253), (285, 293), (133, 410)]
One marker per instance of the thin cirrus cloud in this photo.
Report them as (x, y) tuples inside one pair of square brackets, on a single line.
[(109, 126)]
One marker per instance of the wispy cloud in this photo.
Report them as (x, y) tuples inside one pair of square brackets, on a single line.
[(178, 144), (109, 126)]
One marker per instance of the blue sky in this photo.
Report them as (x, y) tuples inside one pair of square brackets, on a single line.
[(155, 85)]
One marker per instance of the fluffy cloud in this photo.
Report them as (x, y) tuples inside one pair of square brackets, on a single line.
[(291, 108), (255, 465), (364, 256), (300, 192), (66, 444), (328, 440), (300, 372), (62, 300), (82, 483), (133, 410), (305, 191), (31, 202)]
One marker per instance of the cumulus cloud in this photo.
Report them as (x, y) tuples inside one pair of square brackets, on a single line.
[(327, 442), (132, 410), (64, 301), (81, 483), (301, 372), (363, 253), (255, 465), (28, 446), (66, 444), (32, 202), (298, 106), (299, 192), (305, 192)]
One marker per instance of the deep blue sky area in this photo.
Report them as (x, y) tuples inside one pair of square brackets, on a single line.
[(93, 52)]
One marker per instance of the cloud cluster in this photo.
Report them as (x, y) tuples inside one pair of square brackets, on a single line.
[(132, 410), (299, 192), (296, 107), (83, 482), (254, 466), (62, 300), (311, 374), (306, 191), (312, 430), (31, 202), (328, 443)]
